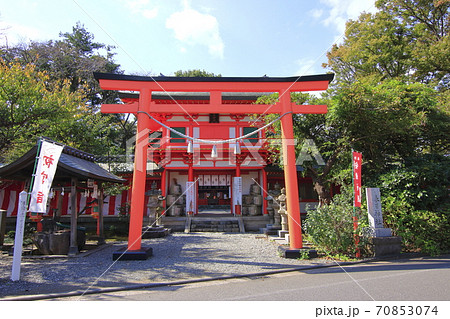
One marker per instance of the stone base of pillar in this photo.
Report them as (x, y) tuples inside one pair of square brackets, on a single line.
[(297, 253), (154, 232), (386, 246), (142, 254), (73, 251)]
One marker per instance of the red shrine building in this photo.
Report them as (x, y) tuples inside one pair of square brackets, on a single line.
[(210, 151), (177, 161), (201, 144), (171, 162)]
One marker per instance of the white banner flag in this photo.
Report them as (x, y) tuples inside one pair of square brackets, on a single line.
[(191, 205), (45, 171), (237, 192)]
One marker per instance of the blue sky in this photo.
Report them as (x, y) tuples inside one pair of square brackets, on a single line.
[(230, 37)]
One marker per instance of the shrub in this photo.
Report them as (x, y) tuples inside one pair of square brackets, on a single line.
[(330, 227), (416, 203), (420, 183), (422, 230)]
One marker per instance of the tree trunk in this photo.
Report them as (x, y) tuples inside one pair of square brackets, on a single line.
[(323, 192)]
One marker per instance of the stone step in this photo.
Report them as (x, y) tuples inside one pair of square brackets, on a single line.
[(229, 226)]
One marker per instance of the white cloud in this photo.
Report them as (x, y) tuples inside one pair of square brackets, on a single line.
[(142, 7), (12, 33), (316, 13), (195, 28), (150, 14), (340, 11), (306, 67)]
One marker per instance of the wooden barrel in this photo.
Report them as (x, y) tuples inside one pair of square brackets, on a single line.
[(258, 200)]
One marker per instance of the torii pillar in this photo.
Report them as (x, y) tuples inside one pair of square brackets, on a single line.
[(290, 172), (139, 174), (145, 85)]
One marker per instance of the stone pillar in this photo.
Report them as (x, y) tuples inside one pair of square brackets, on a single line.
[(382, 241), (373, 198)]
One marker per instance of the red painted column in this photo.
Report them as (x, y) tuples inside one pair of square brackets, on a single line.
[(290, 173), (191, 172), (237, 209), (139, 173), (163, 182), (191, 179)]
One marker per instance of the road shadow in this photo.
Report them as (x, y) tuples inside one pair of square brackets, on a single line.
[(395, 264)]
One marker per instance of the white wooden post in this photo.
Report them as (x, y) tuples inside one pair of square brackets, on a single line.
[(18, 240)]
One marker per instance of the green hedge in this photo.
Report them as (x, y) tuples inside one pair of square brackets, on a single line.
[(330, 227)]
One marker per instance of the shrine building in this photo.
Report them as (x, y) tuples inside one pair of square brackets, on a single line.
[(171, 161), (198, 143)]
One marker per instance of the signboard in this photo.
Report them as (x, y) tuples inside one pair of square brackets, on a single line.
[(374, 207), (45, 171), (357, 160), (375, 214)]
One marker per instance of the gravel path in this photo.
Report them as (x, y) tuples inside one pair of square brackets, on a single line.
[(178, 256)]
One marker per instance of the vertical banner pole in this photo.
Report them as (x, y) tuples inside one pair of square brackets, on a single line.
[(33, 176), (356, 179)]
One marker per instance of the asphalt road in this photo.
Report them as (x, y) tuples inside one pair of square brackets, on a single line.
[(416, 279)]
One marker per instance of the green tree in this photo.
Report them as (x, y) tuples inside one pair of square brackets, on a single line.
[(429, 22), (405, 39), (31, 106), (74, 58), (195, 73), (389, 121), (416, 204), (389, 99)]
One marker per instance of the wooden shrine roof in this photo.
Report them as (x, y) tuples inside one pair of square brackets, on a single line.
[(262, 79), (72, 163)]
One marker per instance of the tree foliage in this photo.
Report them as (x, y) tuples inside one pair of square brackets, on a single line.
[(196, 73), (72, 60), (390, 99), (405, 39), (391, 102), (330, 227), (30, 106), (416, 204), (390, 121)]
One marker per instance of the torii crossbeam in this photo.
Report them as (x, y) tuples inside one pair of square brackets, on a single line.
[(215, 86)]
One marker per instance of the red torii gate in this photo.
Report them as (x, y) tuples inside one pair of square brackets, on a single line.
[(215, 86)]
